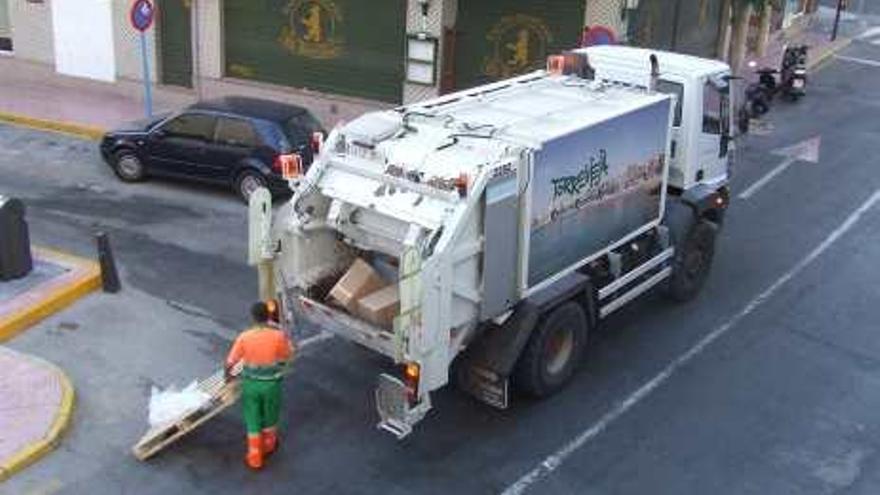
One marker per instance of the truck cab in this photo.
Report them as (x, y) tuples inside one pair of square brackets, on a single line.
[(701, 136)]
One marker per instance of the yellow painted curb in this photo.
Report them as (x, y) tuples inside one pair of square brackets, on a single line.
[(74, 129), (832, 49), (85, 277), (33, 452)]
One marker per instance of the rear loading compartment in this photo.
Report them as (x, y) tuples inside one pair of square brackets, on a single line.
[(360, 301)]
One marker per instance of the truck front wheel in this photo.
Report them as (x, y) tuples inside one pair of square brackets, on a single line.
[(553, 351), (693, 259)]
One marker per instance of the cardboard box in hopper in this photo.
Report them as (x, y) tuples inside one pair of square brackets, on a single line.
[(360, 279), (380, 307)]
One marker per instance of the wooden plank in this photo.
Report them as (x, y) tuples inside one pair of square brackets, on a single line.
[(222, 394)]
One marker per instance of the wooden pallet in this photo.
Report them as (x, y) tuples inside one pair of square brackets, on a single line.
[(223, 394)]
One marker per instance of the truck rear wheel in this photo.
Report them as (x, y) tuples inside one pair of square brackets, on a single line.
[(693, 260), (553, 351)]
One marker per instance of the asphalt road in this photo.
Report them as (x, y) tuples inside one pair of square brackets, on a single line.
[(769, 382)]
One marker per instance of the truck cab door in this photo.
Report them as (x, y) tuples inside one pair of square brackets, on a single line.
[(677, 151), (714, 140)]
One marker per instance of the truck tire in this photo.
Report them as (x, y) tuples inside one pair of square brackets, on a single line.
[(553, 351), (692, 261)]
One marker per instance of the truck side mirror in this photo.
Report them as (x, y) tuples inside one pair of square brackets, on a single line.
[(725, 145)]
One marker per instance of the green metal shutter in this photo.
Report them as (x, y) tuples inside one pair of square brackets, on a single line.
[(175, 42), (496, 39), (655, 24), (352, 47), (699, 25), (686, 26)]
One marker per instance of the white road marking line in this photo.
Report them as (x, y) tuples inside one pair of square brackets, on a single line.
[(555, 460), (764, 180), (314, 339), (863, 61), (806, 151), (870, 33)]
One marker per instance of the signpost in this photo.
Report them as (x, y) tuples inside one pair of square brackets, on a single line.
[(141, 16)]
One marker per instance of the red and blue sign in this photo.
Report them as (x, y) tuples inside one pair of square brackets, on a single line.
[(142, 15), (598, 35)]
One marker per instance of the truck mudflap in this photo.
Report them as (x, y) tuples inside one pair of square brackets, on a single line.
[(397, 416)]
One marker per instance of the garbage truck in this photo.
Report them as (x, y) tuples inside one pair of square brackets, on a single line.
[(480, 237)]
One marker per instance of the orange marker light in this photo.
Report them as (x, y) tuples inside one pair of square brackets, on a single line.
[(461, 184), (290, 164), (411, 373), (555, 64)]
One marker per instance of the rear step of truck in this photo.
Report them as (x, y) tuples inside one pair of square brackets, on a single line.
[(397, 416)]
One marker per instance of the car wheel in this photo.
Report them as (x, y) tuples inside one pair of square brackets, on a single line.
[(553, 351), (248, 182), (128, 166)]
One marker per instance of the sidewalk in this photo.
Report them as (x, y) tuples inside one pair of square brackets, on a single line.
[(34, 95), (811, 32), (35, 91), (36, 408)]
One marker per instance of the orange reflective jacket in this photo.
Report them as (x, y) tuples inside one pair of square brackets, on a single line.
[(260, 347)]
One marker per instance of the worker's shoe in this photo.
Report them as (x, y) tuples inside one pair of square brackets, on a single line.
[(270, 440), (254, 457)]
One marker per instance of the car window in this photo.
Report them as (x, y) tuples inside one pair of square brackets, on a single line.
[(274, 137), (191, 126), (673, 88), (236, 132), (300, 128)]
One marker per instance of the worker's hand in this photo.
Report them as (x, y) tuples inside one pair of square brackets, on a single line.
[(227, 373)]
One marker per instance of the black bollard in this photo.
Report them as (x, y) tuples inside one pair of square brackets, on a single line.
[(15, 247), (109, 275)]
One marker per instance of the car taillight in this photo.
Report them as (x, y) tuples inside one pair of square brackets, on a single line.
[(317, 141), (411, 375), (289, 165)]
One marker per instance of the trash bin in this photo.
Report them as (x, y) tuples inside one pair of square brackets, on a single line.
[(15, 244)]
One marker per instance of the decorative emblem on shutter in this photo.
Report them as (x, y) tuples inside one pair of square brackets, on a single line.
[(314, 29), (519, 44)]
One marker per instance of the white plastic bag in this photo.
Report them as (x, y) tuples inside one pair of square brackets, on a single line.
[(171, 404)]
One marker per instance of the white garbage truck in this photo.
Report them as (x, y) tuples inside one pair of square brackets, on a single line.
[(480, 237)]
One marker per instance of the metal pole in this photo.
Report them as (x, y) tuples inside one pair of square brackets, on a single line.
[(836, 20), (148, 90), (196, 44)]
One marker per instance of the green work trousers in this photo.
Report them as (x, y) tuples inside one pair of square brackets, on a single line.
[(261, 400)]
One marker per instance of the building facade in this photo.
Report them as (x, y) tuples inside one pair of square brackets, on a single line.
[(354, 53)]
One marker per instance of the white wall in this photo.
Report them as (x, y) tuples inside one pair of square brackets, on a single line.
[(209, 15), (32, 30), (83, 34)]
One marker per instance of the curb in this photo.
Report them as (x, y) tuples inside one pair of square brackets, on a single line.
[(69, 128), (38, 449), (829, 52), (83, 278)]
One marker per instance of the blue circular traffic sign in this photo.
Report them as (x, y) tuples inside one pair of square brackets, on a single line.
[(142, 14)]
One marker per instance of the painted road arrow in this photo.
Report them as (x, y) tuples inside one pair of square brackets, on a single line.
[(806, 151)]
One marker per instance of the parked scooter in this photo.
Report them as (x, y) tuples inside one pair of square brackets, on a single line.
[(791, 83), (794, 72)]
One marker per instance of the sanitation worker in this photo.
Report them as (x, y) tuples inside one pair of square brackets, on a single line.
[(265, 352)]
